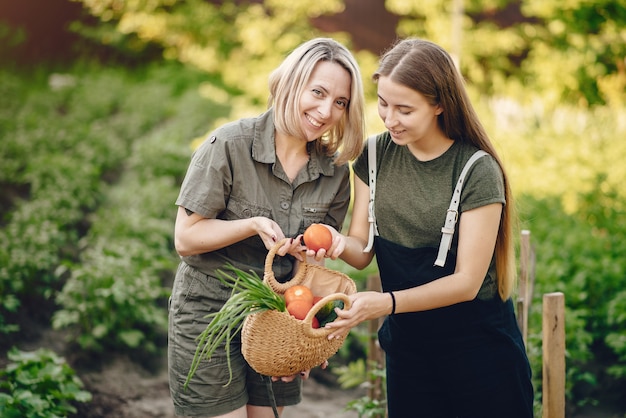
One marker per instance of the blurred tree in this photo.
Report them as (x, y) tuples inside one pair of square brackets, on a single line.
[(585, 43), (565, 50), (561, 50), (239, 42)]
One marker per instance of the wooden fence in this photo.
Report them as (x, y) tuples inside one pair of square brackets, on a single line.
[(553, 331)]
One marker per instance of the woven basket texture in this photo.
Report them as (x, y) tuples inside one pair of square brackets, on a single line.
[(277, 344)]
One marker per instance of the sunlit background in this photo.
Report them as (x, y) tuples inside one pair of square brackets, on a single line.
[(102, 101)]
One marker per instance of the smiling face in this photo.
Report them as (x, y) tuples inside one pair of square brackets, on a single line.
[(324, 99), (410, 118)]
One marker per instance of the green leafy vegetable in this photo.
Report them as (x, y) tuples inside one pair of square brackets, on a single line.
[(250, 295)]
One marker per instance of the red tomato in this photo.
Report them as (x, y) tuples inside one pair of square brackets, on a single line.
[(298, 291), (317, 236), (315, 323), (299, 308)]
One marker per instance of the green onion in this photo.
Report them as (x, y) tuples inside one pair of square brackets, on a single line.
[(250, 295)]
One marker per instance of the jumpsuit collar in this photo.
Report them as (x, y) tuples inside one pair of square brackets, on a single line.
[(264, 149)]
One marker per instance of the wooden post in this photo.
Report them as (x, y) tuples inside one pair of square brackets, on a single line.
[(525, 284), (554, 355)]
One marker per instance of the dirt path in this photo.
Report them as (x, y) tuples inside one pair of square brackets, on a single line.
[(123, 389)]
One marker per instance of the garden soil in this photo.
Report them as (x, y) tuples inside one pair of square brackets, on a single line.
[(125, 389)]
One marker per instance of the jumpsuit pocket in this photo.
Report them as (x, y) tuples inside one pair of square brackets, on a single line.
[(194, 291), (313, 213), (242, 209)]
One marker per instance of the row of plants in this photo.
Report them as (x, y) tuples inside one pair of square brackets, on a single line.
[(39, 384), (116, 293), (92, 167), (92, 160), (60, 145), (74, 155)]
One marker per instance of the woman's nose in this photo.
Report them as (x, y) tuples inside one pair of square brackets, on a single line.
[(324, 109), (389, 120)]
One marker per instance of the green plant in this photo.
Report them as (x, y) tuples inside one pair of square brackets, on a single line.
[(367, 407), (249, 295), (115, 292), (583, 258), (39, 384), (357, 374), (373, 377)]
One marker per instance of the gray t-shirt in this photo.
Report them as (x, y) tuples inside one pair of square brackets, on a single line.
[(412, 196), (235, 174)]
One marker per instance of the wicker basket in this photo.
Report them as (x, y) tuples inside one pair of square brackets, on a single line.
[(277, 344)]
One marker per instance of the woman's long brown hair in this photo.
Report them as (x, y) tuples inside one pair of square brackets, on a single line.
[(428, 69)]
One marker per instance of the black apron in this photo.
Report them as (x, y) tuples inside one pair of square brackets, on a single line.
[(464, 360)]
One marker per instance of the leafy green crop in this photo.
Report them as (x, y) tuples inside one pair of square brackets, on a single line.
[(39, 384)]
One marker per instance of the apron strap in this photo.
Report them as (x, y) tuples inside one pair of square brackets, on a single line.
[(371, 217), (452, 215)]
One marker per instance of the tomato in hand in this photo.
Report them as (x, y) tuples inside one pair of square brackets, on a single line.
[(317, 236)]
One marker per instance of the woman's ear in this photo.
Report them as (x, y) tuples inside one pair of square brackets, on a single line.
[(438, 110)]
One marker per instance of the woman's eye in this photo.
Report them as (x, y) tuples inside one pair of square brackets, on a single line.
[(317, 92), (342, 103)]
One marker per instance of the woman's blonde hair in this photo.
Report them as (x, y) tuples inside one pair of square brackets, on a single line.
[(286, 86), (428, 69)]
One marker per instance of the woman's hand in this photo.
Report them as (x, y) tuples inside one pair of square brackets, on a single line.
[(270, 233), (364, 306), (268, 230), (335, 250), (303, 374), (293, 247)]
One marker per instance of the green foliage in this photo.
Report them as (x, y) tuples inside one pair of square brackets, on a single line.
[(568, 51), (90, 203), (588, 39), (357, 374), (616, 336), (583, 258), (52, 169), (39, 384), (239, 42), (115, 293), (352, 375), (367, 407)]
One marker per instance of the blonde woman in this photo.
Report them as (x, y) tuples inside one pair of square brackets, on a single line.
[(250, 184)]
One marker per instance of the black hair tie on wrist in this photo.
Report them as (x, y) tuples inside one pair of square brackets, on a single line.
[(393, 303)]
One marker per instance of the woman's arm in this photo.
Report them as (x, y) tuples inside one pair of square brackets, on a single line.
[(194, 234), (350, 248), (478, 229)]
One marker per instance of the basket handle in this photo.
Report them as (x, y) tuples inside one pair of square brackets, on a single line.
[(308, 319), (268, 273)]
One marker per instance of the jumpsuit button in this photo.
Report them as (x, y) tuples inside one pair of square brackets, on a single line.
[(212, 139), (284, 205)]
